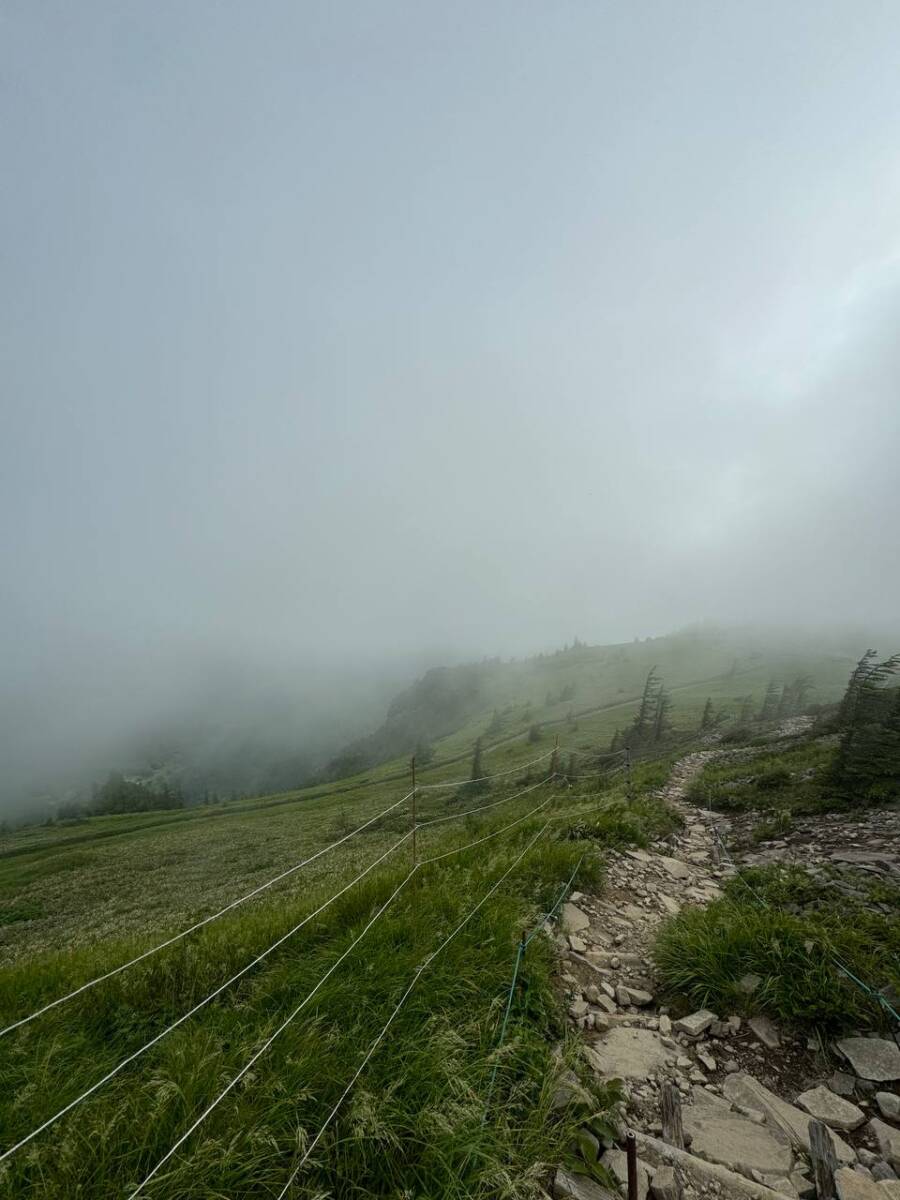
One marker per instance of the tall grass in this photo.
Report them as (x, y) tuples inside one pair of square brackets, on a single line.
[(412, 1126), (702, 954)]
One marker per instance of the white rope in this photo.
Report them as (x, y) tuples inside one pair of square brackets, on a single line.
[(452, 783), (281, 1028), (243, 971), (418, 975), (481, 808), (199, 924), (487, 837)]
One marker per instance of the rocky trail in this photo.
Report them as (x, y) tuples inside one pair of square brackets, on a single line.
[(748, 1089)]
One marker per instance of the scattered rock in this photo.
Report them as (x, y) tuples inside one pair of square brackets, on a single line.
[(578, 1009), (778, 1183), (696, 1023), (803, 1185), (834, 1112), (842, 1084), (578, 1187), (579, 945), (888, 1140), (665, 1025), (872, 1058), (638, 996), (701, 1095), (665, 1185), (573, 920), (748, 984), (888, 1105), (676, 868), (616, 1162), (766, 1031), (852, 1185)]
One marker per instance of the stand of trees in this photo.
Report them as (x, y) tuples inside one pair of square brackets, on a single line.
[(867, 764), (121, 795)]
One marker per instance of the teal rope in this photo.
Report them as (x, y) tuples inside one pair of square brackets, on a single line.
[(562, 895), (877, 996), (520, 954), (520, 950)]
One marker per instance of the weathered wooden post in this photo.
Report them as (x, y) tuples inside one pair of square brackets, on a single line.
[(631, 1159), (670, 1109), (824, 1160)]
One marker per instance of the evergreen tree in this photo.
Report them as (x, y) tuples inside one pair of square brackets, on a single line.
[(477, 783), (477, 771), (746, 714), (573, 765), (661, 723), (769, 710), (645, 719), (424, 752), (707, 720), (861, 673), (616, 742), (867, 763)]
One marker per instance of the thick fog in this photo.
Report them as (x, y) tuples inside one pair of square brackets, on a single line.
[(340, 339)]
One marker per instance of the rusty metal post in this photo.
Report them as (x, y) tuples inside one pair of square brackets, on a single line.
[(631, 1159)]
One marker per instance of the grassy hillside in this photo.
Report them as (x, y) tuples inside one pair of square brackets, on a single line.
[(79, 898), (416, 1120), (456, 705), (73, 882)]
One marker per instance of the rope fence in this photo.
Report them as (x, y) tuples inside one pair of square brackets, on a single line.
[(418, 863), (399, 1005), (522, 946)]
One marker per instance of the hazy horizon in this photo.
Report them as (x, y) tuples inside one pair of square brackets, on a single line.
[(339, 342)]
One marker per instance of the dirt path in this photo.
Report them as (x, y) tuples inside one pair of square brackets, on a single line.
[(732, 1074)]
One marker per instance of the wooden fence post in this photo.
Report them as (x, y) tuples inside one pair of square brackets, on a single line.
[(824, 1159), (670, 1108)]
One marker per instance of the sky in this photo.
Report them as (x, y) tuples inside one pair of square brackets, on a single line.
[(397, 332)]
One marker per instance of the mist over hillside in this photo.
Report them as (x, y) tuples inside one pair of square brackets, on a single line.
[(235, 730)]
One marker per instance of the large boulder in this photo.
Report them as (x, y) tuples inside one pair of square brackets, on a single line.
[(627, 1053), (736, 1142), (745, 1091)]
